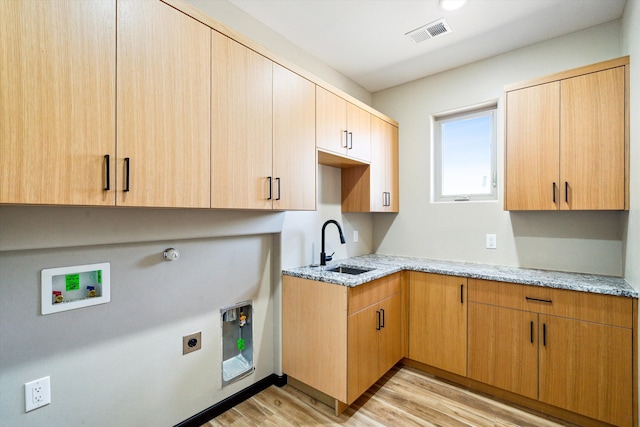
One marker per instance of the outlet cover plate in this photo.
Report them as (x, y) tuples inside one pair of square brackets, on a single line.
[(191, 342), (491, 241), (37, 393)]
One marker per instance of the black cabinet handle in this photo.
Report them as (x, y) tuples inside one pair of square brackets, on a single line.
[(566, 192), (346, 139), (461, 294), (544, 334), (382, 324), (532, 331), (278, 179), (270, 188), (107, 168), (127, 162), (350, 140), (548, 301), (378, 325), (555, 188)]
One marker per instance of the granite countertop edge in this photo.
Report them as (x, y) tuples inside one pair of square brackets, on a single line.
[(384, 265)]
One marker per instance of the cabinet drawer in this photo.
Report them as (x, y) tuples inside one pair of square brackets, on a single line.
[(606, 309), (363, 296)]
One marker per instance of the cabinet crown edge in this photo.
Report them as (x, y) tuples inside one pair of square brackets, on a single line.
[(574, 72), (206, 19)]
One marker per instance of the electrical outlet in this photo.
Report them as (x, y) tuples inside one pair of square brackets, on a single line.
[(37, 393), (491, 241), (191, 342)]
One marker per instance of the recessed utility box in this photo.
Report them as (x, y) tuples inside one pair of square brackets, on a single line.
[(237, 342), (67, 288)]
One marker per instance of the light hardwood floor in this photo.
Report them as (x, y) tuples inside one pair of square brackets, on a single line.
[(403, 397)]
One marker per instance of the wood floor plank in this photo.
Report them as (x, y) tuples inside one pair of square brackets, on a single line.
[(404, 396)]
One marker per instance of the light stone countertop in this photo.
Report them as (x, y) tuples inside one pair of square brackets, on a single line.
[(383, 265)]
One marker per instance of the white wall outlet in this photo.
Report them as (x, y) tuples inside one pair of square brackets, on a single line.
[(355, 236), (491, 241), (37, 393)]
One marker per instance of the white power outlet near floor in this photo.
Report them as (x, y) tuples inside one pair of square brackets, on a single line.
[(37, 393)]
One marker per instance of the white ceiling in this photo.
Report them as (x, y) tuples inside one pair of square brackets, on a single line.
[(365, 39)]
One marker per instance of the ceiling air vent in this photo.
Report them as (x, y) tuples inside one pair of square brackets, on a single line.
[(429, 31)]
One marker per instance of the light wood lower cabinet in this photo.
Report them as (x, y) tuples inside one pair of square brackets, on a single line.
[(503, 348), (572, 350), (374, 344), (341, 340), (587, 368), (438, 321)]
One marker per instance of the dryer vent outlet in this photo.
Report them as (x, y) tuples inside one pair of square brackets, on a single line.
[(192, 342)]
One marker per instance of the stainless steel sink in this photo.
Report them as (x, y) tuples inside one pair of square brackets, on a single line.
[(354, 271)]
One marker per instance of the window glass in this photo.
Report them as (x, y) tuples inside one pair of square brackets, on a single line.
[(465, 156)]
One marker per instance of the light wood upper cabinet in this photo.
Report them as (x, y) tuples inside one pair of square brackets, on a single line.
[(241, 126), (532, 166), (57, 109), (592, 131), (567, 140), (374, 187), (294, 148), (438, 327), (359, 127), (341, 127), (263, 132), (385, 187), (163, 75)]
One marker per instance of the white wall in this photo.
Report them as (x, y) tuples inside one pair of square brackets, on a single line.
[(121, 363), (571, 241)]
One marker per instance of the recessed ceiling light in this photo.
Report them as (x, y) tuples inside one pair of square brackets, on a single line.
[(452, 4)]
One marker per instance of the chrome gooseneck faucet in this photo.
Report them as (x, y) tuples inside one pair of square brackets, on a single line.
[(323, 256)]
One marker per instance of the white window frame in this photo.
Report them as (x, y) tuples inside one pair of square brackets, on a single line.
[(490, 109)]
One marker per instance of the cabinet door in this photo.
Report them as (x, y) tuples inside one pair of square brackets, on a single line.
[(390, 334), (331, 121), (294, 148), (503, 348), (592, 134), (242, 128), (57, 102), (163, 84), (438, 321), (532, 147), (384, 166), (363, 367), (587, 368), (314, 335), (359, 126)]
